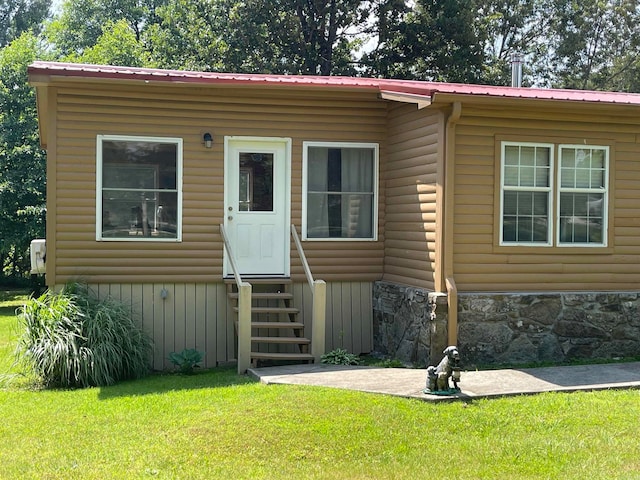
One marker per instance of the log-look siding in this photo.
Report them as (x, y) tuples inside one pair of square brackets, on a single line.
[(415, 148), (84, 111), (480, 264), (198, 316)]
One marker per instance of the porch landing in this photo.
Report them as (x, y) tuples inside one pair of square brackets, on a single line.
[(410, 383)]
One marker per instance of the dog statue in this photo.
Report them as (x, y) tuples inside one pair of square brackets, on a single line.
[(448, 368)]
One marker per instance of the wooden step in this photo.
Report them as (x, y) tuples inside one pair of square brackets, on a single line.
[(288, 340), (294, 325), (288, 310), (282, 356), (265, 296), (261, 280)]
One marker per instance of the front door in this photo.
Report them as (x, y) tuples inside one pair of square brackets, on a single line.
[(256, 207)]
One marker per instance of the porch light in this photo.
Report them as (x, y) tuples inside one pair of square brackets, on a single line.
[(207, 139)]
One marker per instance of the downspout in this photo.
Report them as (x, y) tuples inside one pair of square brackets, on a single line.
[(447, 246)]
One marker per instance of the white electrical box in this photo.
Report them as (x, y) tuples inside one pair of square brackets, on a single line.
[(38, 256)]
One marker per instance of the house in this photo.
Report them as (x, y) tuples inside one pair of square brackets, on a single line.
[(505, 220)]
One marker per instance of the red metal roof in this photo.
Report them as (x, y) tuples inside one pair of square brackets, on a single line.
[(389, 85)]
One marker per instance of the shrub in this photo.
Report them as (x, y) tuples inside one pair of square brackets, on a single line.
[(340, 356), (187, 360), (71, 339)]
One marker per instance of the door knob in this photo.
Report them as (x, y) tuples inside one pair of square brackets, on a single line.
[(229, 217)]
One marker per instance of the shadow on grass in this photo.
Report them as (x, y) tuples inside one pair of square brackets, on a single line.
[(14, 296), (155, 384)]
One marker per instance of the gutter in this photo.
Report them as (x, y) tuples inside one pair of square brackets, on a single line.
[(449, 205)]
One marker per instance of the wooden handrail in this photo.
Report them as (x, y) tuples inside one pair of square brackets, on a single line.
[(244, 310), (452, 301), (303, 258), (318, 309), (232, 261)]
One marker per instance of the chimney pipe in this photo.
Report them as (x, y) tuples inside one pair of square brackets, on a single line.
[(517, 60)]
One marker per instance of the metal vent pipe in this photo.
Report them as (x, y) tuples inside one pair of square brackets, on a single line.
[(517, 59)]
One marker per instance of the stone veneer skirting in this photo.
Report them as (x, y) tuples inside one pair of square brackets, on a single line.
[(515, 328), (410, 324)]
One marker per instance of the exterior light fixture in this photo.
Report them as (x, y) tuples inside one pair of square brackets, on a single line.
[(207, 139)]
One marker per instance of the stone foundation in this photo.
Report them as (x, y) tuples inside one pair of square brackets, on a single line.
[(547, 327), (409, 324)]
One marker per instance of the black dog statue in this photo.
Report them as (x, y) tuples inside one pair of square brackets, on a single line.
[(448, 368)]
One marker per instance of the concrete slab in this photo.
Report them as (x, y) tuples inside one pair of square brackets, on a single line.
[(410, 383)]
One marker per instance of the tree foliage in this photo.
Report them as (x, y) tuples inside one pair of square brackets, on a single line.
[(597, 44), (440, 42), (22, 162), (267, 36), (17, 16)]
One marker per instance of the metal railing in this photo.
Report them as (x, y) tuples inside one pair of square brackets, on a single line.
[(319, 295)]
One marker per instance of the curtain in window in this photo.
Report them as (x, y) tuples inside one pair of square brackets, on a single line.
[(357, 176), (340, 192), (317, 186)]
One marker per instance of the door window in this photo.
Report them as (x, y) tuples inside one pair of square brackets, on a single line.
[(255, 182)]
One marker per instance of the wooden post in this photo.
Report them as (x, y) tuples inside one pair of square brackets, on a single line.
[(318, 319), (244, 327), (452, 300)]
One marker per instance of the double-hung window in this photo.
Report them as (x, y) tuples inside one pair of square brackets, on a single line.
[(531, 207), (582, 195), (527, 174), (138, 188), (340, 191)]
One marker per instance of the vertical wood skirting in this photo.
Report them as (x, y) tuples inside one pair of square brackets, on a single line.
[(199, 316), (191, 316)]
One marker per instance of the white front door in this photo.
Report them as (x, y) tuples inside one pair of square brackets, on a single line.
[(257, 214)]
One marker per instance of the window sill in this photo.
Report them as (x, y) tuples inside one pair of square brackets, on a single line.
[(552, 250)]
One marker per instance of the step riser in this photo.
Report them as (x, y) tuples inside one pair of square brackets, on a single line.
[(271, 300)]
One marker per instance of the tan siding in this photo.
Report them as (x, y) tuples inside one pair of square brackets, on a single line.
[(410, 195), (481, 265), (84, 111)]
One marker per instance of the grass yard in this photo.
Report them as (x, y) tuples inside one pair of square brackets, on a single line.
[(218, 425)]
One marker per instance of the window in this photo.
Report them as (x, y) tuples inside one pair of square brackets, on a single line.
[(528, 172), (582, 195), (139, 193), (526, 193), (340, 191)]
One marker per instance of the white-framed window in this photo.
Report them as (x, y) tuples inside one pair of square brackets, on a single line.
[(528, 194), (138, 188), (340, 191), (527, 183), (582, 195)]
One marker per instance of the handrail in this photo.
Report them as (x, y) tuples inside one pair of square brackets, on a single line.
[(319, 299), (244, 310), (452, 301), (303, 258), (232, 260)]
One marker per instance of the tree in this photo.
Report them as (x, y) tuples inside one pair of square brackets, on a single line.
[(189, 34), (596, 44), (117, 45), (82, 22), (17, 16), (22, 161), (268, 36), (437, 40), (513, 26)]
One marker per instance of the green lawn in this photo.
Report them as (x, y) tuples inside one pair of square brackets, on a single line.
[(219, 425)]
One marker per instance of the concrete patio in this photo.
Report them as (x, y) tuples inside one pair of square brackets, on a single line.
[(410, 383)]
